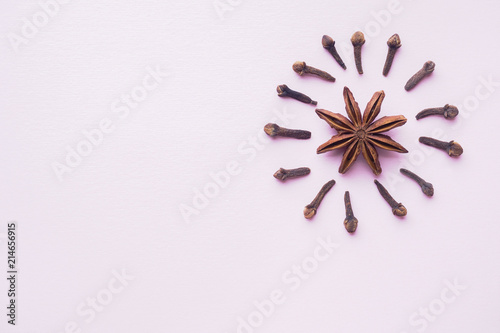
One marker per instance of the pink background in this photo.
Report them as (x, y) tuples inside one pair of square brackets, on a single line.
[(120, 208)]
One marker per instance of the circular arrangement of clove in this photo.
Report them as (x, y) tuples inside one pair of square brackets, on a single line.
[(362, 127)]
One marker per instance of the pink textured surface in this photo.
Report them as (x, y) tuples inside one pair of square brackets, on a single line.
[(120, 208)]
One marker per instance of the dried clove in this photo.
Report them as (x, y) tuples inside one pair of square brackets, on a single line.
[(394, 44), (301, 68), (448, 112), (357, 40), (284, 174), (329, 44), (397, 208), (350, 222), (427, 69), (310, 210), (284, 91), (274, 130), (426, 187), (452, 148)]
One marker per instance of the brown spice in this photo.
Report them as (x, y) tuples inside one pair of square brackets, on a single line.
[(284, 174), (394, 44), (273, 130), (311, 209), (426, 187), (329, 44), (284, 91), (427, 69), (397, 208), (357, 40), (454, 149), (350, 222), (301, 68), (448, 112), (361, 134)]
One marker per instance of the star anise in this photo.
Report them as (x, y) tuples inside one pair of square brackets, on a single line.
[(361, 134)]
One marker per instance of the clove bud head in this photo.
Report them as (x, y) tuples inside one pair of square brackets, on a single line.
[(309, 212), (450, 111), (351, 224), (280, 174), (284, 174), (428, 189), (399, 210), (358, 38), (282, 89), (454, 149), (271, 129), (299, 67), (394, 42), (429, 66), (327, 42)]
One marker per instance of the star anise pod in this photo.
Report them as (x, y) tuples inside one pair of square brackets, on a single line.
[(361, 134)]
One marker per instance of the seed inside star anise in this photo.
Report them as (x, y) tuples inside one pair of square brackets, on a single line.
[(361, 134)]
